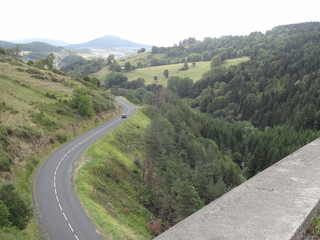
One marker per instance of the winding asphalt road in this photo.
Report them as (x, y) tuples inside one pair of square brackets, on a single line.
[(60, 214)]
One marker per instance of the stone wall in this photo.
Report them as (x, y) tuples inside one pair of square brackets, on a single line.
[(276, 204)]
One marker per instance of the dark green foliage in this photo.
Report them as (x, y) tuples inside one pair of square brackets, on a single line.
[(254, 148), (148, 98), (181, 86), (206, 56), (19, 209), (184, 169), (186, 199), (72, 59), (139, 83), (2, 50), (142, 50), (166, 73), (4, 161), (185, 67), (82, 102), (128, 67), (4, 215), (194, 57), (95, 82), (83, 67), (87, 102), (115, 79), (45, 63), (277, 86), (216, 61), (62, 137)]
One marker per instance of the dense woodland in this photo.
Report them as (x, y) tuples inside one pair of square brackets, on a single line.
[(253, 108), (246, 117)]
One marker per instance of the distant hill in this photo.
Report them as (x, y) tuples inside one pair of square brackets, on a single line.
[(44, 40), (6, 45), (39, 50), (33, 50), (107, 45), (108, 42)]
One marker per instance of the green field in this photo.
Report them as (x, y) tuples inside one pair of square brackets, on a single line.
[(109, 182), (148, 73)]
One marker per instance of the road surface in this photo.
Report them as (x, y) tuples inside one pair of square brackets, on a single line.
[(60, 214)]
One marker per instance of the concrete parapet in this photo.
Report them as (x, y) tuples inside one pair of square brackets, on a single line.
[(276, 204)]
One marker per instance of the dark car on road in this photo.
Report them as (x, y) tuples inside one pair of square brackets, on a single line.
[(124, 115)]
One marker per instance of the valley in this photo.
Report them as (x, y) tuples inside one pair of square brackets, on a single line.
[(212, 114)]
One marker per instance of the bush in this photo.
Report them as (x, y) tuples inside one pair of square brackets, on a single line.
[(62, 137), (19, 209), (4, 215), (83, 102), (45, 121), (4, 162)]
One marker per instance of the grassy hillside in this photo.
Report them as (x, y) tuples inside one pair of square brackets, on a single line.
[(36, 117), (109, 183), (148, 73)]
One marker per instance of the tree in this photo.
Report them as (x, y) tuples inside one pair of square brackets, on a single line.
[(4, 215), (2, 50), (216, 61), (19, 209), (114, 66), (115, 79), (110, 58), (206, 56), (85, 106), (181, 86), (142, 50), (187, 200), (184, 67), (48, 61), (148, 98), (166, 73), (127, 67), (83, 102), (194, 57)]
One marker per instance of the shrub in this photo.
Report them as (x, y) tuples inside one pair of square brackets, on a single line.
[(4, 215), (19, 209), (62, 137), (45, 121), (4, 162)]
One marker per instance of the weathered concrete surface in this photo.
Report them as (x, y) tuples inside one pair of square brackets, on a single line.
[(276, 204)]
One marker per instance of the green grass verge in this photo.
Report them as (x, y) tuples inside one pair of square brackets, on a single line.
[(35, 119), (109, 183)]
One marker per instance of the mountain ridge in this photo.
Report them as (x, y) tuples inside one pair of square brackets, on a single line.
[(108, 42)]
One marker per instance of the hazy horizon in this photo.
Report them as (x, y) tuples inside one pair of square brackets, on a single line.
[(160, 23)]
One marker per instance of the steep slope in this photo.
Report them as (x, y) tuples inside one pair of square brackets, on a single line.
[(37, 113)]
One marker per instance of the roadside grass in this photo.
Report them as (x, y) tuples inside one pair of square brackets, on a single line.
[(34, 120), (148, 73), (109, 182)]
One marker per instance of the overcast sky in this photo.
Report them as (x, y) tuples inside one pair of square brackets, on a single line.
[(153, 22)]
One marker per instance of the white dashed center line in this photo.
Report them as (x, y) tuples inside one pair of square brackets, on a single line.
[(57, 168)]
